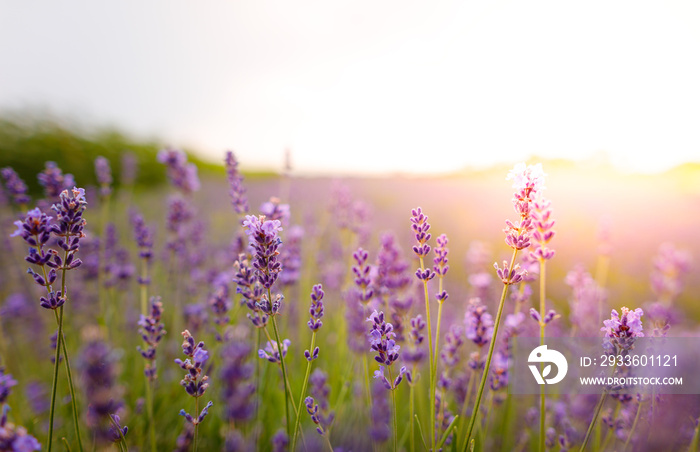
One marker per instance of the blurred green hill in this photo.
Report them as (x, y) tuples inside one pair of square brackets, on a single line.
[(28, 141)]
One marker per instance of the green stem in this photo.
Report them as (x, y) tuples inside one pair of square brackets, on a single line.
[(430, 355), (542, 325), (393, 401), (492, 345), (196, 414), (411, 408), (595, 417), (57, 362), (149, 408), (284, 371), (303, 391)]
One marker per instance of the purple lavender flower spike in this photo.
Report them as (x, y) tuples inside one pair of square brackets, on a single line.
[(152, 331), (392, 270), (478, 323), (543, 233), (97, 363), (182, 175), (117, 433), (381, 338), (271, 352), (510, 276), (15, 186), (316, 310), (6, 383), (54, 181), (128, 168), (362, 275), (420, 226), (440, 261), (237, 191), (15, 438), (103, 171), (621, 330), (415, 353), (265, 242), (528, 181), (313, 409), (194, 382), (251, 290), (280, 441), (290, 256), (669, 265), (238, 390)]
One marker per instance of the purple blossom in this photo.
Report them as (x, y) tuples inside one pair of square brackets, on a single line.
[(15, 186), (152, 331), (478, 323), (99, 380), (117, 433), (271, 352), (528, 181), (265, 241), (275, 210), (621, 330), (15, 438), (542, 233), (54, 181), (450, 349), (510, 276), (586, 298), (414, 352), (219, 301), (380, 414), (362, 276), (143, 236), (103, 172), (381, 339), (316, 309), (320, 390), (420, 227), (6, 383), (312, 409), (236, 375), (290, 256), (237, 191), (182, 175), (251, 291), (194, 382), (392, 269)]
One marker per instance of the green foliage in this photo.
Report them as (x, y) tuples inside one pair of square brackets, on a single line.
[(27, 141)]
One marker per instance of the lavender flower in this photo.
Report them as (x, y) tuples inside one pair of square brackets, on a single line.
[(54, 181), (235, 180), (380, 414), (510, 276), (97, 362), (587, 296), (392, 269), (290, 256), (312, 409), (182, 175), (362, 275), (69, 227), (543, 233), (15, 438), (251, 290), (316, 310), (621, 330), (440, 266), (280, 441), (478, 323), (275, 210), (15, 186), (117, 433), (320, 390), (420, 226), (528, 181), (271, 352), (195, 383), (219, 300), (104, 176), (6, 383), (450, 350), (152, 331), (415, 353), (381, 339), (265, 242), (178, 215), (236, 373)]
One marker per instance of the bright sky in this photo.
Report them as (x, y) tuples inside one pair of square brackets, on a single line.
[(367, 85)]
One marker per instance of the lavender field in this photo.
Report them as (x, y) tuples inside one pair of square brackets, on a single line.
[(347, 314)]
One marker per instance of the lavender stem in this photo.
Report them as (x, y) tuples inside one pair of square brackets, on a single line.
[(492, 345)]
